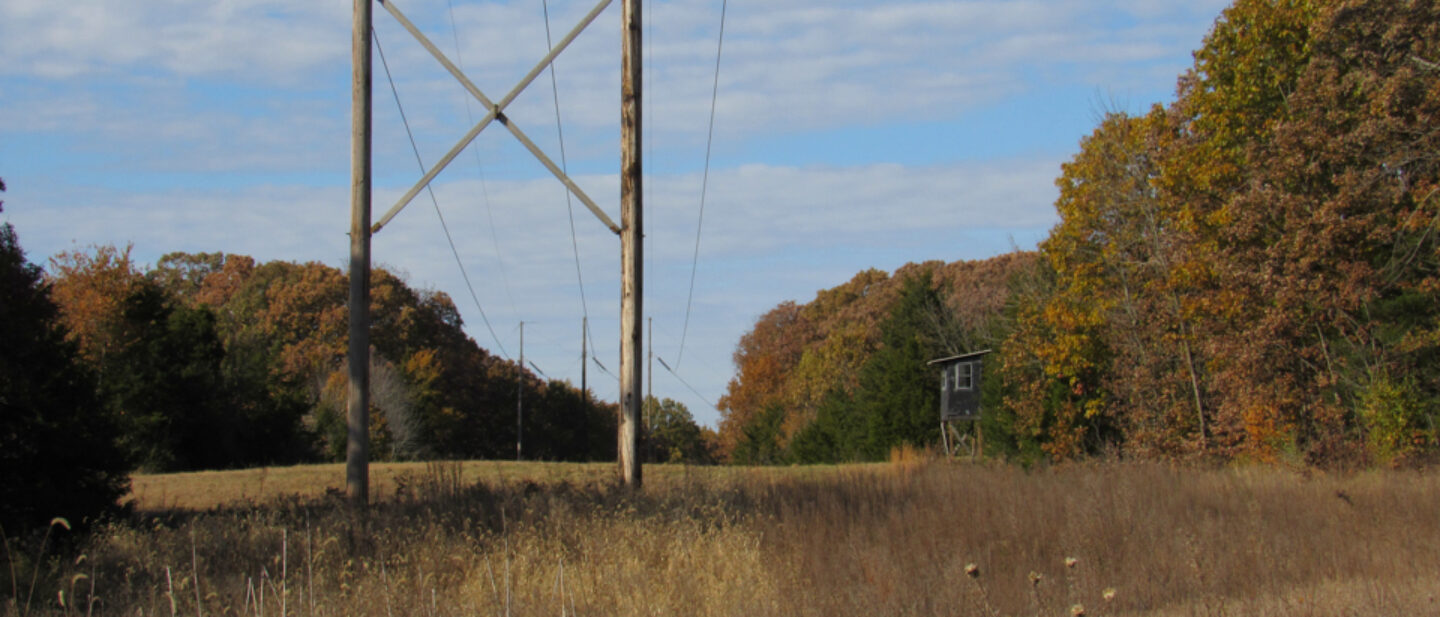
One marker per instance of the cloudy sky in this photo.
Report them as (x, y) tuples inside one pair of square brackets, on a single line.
[(849, 134)]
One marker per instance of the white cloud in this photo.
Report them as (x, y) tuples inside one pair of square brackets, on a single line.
[(786, 65), (261, 41)]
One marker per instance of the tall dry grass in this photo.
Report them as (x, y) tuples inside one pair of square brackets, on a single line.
[(875, 540)]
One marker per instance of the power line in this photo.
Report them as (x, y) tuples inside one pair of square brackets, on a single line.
[(458, 262), (686, 383), (564, 167), (709, 368), (704, 184), (648, 145), (602, 367), (480, 168)]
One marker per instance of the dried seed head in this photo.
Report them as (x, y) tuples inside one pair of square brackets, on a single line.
[(1108, 594), (1071, 561), (972, 570), (1035, 577), (1077, 611)]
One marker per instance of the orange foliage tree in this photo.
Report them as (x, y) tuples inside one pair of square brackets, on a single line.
[(1249, 272)]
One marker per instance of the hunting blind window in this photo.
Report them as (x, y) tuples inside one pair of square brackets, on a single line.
[(964, 376)]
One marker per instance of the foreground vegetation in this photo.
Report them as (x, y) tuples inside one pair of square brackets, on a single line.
[(887, 539)]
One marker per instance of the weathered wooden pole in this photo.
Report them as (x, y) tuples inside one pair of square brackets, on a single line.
[(357, 450), (631, 245)]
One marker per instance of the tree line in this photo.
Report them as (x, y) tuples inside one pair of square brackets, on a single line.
[(212, 360), (844, 377), (1251, 272)]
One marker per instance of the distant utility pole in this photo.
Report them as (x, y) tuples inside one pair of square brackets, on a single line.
[(650, 358), (648, 418), (357, 448), (584, 358), (631, 245), (520, 397)]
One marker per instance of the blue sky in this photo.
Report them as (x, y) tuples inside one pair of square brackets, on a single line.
[(849, 134)]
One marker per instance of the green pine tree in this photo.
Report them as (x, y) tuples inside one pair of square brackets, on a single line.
[(57, 457)]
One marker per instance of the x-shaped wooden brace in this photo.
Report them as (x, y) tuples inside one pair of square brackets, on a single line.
[(496, 112)]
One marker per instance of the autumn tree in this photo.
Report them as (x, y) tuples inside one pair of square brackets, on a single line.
[(1335, 231), (1246, 272), (845, 331), (895, 401), (799, 371), (90, 287), (1118, 327), (184, 275), (763, 360), (1051, 367)]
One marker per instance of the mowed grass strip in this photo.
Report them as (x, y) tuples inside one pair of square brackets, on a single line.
[(207, 490)]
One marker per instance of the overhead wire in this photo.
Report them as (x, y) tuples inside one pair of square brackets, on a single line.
[(564, 167), (682, 381), (662, 333), (569, 204), (704, 184), (479, 167), (647, 138), (443, 225), (712, 371), (602, 367)]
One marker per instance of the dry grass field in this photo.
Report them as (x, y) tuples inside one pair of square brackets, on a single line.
[(897, 539)]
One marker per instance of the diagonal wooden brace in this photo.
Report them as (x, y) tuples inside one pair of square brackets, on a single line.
[(496, 112)]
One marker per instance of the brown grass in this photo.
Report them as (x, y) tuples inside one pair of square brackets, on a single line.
[(207, 490), (204, 490), (862, 540)]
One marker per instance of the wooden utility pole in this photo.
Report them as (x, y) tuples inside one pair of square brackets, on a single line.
[(631, 244), (520, 397), (357, 449)]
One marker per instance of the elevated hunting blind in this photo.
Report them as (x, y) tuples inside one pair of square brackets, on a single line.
[(959, 395), (960, 386)]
